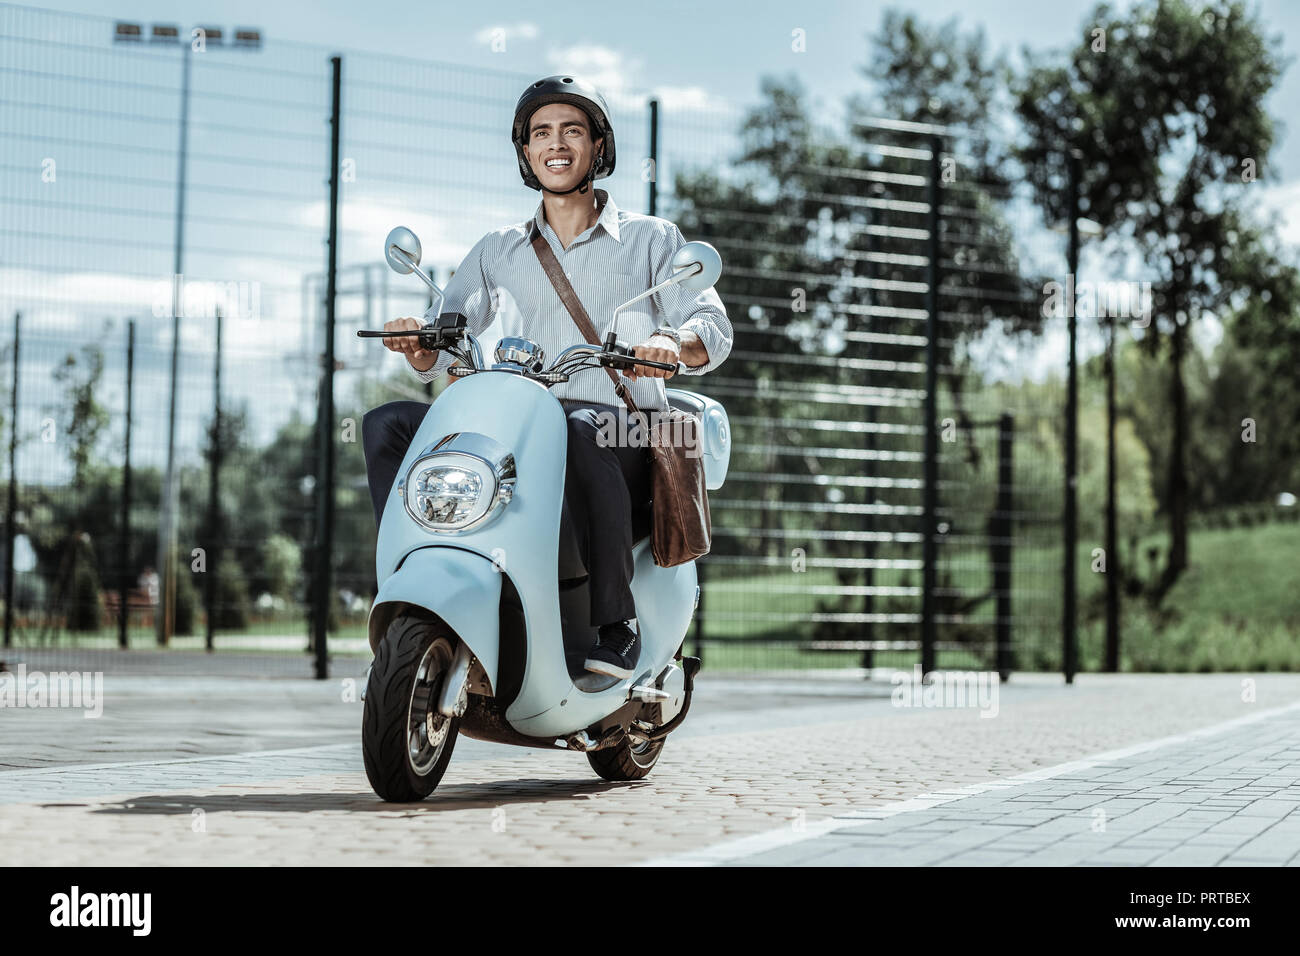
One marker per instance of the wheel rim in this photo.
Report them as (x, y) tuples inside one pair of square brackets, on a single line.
[(426, 729)]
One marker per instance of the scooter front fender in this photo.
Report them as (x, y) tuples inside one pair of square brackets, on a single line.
[(461, 587)]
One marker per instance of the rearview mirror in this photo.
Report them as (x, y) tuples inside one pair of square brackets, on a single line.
[(701, 263), (402, 250)]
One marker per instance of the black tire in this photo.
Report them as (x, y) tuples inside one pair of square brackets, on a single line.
[(624, 761), (392, 725)]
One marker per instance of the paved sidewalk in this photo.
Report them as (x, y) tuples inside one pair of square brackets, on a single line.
[(1229, 795), (223, 771)]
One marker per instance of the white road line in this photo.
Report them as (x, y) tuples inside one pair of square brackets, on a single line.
[(787, 836)]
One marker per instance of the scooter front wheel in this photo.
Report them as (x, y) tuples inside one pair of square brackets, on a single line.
[(406, 743)]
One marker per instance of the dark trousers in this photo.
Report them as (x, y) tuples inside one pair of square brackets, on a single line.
[(605, 474)]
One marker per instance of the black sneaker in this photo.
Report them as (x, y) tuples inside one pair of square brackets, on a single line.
[(616, 651)]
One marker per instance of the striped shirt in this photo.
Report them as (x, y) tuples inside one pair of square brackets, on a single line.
[(619, 257)]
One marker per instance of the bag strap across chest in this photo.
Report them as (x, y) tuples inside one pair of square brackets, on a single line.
[(555, 272)]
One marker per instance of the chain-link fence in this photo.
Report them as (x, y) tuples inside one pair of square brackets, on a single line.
[(127, 161)]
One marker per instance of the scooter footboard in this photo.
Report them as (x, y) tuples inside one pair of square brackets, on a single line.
[(461, 587)]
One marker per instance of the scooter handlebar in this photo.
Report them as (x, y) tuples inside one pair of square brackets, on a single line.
[(447, 335)]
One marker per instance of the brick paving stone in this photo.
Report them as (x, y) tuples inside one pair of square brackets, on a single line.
[(738, 770)]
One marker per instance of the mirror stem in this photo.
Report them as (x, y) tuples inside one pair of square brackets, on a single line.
[(675, 278), (417, 270), (433, 287)]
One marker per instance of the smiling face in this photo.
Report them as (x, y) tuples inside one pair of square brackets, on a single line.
[(559, 147)]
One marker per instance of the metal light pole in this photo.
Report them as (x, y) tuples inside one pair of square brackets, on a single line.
[(129, 34), (165, 618)]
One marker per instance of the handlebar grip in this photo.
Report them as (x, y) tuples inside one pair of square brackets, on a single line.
[(666, 366)]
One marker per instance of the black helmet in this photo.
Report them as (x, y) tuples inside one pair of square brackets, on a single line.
[(565, 89)]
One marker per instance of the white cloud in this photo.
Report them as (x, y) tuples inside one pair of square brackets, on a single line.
[(606, 68), (499, 33), (440, 243), (619, 78), (681, 99)]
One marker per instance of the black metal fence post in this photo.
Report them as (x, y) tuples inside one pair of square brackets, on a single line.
[(929, 557), (214, 500), (1003, 532), (654, 157), (325, 415), (11, 506), (1113, 566), (124, 581), (1069, 636)]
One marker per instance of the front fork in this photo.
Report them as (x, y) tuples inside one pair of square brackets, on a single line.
[(454, 697)]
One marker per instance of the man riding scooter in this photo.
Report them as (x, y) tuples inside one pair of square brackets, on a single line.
[(564, 141)]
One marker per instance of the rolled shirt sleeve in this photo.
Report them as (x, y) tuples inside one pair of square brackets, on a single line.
[(700, 312), (469, 292)]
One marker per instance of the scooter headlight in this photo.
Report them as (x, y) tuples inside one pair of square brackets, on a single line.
[(459, 483)]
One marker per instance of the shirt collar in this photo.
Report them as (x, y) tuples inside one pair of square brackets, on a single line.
[(608, 215)]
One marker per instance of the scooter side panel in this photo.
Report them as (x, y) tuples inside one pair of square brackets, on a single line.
[(664, 603), (456, 585)]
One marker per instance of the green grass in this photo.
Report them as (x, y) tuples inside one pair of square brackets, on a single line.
[(1237, 608)]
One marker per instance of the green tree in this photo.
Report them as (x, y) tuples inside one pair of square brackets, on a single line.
[(82, 524), (1255, 374), (84, 418), (1167, 114), (282, 565)]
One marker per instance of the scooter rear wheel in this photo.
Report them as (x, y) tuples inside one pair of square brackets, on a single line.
[(405, 742), (625, 760)]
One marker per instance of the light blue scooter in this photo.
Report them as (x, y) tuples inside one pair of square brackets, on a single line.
[(480, 626)]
